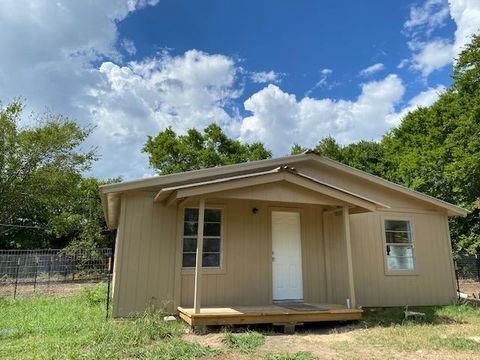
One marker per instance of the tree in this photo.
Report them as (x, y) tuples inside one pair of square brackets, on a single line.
[(171, 153), (364, 155), (436, 150), (41, 185)]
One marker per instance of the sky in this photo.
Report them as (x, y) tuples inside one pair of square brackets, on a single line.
[(276, 71)]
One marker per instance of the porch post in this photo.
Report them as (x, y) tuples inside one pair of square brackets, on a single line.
[(346, 229), (197, 297)]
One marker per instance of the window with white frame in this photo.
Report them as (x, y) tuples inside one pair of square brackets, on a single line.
[(399, 245), (212, 238)]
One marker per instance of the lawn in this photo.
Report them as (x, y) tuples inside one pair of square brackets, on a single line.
[(74, 327)]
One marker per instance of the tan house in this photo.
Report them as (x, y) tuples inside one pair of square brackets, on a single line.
[(286, 240)]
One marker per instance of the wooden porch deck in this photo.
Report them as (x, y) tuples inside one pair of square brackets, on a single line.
[(268, 314)]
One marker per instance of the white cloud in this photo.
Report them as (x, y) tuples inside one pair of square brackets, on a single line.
[(423, 99), (129, 46), (466, 14), (266, 77), (323, 82), (372, 69), (279, 119), (431, 15), (430, 54), (142, 98)]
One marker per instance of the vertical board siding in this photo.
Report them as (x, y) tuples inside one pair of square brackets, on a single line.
[(145, 257), (146, 250), (431, 283), (246, 279)]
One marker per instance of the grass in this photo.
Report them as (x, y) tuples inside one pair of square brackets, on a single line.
[(75, 328), (246, 343), (302, 355), (452, 328)]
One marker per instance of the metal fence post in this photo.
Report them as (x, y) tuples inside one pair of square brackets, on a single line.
[(35, 274), (108, 285), (477, 261), (16, 278)]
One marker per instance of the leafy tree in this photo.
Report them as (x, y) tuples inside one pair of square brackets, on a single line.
[(436, 150), (41, 182), (364, 155), (171, 153)]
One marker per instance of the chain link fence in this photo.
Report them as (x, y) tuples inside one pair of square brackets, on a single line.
[(467, 267), (23, 272)]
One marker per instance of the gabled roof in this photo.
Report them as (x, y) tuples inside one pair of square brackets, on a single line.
[(281, 173), (110, 193)]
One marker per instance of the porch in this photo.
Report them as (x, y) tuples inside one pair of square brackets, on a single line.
[(279, 314), (287, 227)]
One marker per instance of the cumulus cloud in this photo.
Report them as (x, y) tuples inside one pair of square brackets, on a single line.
[(266, 77), (423, 99), (279, 119), (372, 69)]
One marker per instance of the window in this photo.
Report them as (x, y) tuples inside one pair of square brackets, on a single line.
[(399, 245), (212, 237)]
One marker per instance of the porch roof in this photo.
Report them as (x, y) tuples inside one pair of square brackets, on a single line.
[(170, 195)]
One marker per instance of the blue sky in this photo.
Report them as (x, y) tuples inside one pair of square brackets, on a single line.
[(273, 71)]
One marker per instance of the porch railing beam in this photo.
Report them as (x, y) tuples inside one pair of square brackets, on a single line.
[(348, 245), (197, 298)]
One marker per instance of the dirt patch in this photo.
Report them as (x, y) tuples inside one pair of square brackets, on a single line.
[(57, 289), (322, 343), (470, 287)]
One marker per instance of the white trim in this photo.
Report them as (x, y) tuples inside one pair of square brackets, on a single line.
[(409, 219), (206, 269)]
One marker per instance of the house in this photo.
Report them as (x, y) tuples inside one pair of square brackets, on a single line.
[(292, 239)]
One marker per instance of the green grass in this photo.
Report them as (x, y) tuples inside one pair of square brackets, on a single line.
[(297, 356), (75, 328), (452, 328), (246, 342)]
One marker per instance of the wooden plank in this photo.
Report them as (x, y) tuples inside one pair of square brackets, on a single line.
[(197, 296), (273, 318), (346, 228), (268, 314)]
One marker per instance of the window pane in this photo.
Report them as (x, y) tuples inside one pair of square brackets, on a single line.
[(211, 229), (399, 257), (190, 228), (189, 260), (397, 237), (211, 245), (397, 225), (191, 214), (213, 215), (189, 245), (211, 260)]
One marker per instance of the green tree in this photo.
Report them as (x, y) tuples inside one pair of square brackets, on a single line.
[(436, 150), (171, 153), (41, 182), (364, 155)]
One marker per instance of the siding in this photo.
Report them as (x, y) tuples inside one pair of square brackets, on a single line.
[(149, 243), (433, 282), (246, 278), (144, 256)]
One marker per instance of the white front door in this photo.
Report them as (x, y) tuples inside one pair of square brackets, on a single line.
[(286, 256)]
